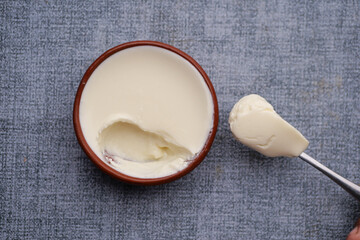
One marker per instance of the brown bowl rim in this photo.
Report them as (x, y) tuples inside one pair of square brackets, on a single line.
[(111, 171)]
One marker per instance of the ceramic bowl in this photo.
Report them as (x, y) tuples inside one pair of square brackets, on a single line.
[(113, 172)]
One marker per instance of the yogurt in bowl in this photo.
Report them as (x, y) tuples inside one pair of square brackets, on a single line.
[(146, 113)]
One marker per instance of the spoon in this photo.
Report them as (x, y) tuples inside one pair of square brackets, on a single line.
[(350, 187), (254, 122)]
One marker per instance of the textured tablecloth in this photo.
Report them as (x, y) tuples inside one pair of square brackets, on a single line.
[(303, 56)]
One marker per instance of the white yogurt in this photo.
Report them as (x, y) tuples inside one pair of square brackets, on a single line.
[(254, 123), (146, 112)]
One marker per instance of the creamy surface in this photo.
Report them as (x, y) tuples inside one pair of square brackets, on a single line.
[(254, 123), (146, 112)]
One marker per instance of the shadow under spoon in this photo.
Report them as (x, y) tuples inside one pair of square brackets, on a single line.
[(350, 187)]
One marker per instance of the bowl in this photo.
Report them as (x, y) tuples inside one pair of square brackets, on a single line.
[(110, 170)]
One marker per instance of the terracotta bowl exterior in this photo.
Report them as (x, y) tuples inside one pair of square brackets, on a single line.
[(111, 171)]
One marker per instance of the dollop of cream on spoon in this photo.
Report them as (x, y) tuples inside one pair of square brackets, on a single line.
[(254, 122)]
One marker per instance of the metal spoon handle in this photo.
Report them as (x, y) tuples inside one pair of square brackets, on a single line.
[(350, 187)]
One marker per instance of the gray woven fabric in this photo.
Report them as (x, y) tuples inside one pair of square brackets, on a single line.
[(304, 57)]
